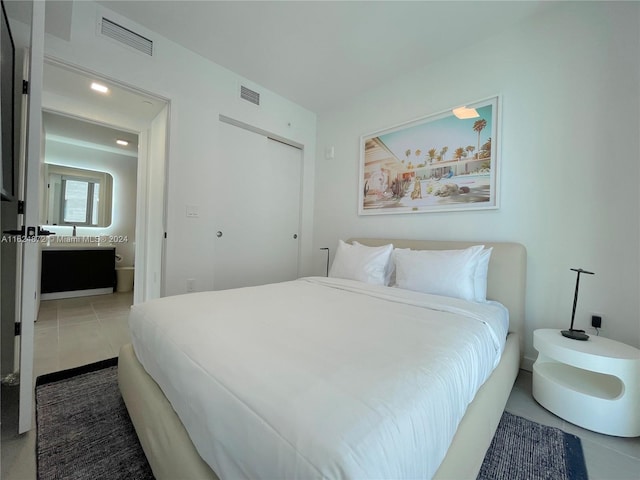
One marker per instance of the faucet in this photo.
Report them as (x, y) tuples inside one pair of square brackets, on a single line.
[(74, 231)]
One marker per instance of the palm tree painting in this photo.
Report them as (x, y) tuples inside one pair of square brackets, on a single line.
[(443, 152), (470, 149), (478, 126), (432, 154), (457, 172)]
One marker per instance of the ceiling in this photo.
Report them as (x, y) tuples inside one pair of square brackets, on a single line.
[(315, 53), (71, 89), (321, 53), (73, 131), (84, 114)]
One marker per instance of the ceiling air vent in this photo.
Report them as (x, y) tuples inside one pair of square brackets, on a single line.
[(249, 95), (124, 35)]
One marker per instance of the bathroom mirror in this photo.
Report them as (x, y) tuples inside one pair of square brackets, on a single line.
[(74, 196)]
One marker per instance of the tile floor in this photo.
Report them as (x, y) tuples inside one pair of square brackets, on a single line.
[(607, 458), (74, 332), (69, 332)]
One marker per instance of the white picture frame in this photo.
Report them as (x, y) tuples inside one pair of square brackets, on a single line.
[(443, 162)]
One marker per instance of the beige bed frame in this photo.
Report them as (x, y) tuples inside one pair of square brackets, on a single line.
[(173, 456)]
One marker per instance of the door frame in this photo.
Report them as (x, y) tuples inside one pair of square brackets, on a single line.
[(144, 210), (149, 272)]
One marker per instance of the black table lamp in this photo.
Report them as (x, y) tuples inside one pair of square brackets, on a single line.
[(328, 253), (571, 333)]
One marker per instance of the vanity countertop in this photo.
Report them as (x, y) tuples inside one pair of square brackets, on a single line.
[(78, 243), (78, 246)]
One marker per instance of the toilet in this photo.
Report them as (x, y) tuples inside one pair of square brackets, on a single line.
[(124, 279)]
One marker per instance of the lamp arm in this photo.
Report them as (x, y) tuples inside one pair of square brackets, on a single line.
[(575, 296), (571, 333), (575, 301)]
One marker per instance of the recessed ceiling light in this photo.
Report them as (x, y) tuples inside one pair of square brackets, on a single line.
[(124, 143), (99, 87)]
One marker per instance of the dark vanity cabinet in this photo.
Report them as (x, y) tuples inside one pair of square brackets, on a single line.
[(73, 269)]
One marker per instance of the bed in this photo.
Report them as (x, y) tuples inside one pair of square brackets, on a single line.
[(175, 451)]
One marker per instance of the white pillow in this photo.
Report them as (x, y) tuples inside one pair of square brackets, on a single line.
[(480, 275), (362, 263), (440, 272), (390, 265)]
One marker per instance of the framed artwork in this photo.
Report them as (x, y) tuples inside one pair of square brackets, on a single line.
[(439, 163)]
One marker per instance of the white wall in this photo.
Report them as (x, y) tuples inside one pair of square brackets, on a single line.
[(199, 91), (157, 140), (570, 87), (123, 169), (570, 90)]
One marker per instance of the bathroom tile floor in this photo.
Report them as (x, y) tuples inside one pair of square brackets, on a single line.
[(76, 331), (79, 331), (68, 333)]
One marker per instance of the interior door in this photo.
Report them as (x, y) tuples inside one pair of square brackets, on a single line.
[(8, 260), (10, 218), (30, 272), (258, 182)]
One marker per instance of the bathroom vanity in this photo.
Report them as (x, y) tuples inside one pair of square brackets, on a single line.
[(77, 271)]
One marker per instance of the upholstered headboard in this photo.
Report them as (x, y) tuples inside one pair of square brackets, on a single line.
[(507, 271)]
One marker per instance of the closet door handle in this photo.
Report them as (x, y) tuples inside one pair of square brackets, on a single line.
[(218, 234)]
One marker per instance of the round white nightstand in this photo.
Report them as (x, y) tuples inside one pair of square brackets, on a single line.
[(594, 384)]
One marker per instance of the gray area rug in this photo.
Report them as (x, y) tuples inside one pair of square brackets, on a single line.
[(83, 428), (84, 433), (526, 450)]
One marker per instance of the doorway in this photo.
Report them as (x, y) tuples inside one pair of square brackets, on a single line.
[(95, 99), (88, 190), (131, 126), (67, 92)]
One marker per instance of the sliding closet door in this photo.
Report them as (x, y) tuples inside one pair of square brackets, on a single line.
[(258, 210)]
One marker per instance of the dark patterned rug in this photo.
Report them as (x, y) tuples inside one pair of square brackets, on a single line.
[(83, 428), (526, 450), (84, 433)]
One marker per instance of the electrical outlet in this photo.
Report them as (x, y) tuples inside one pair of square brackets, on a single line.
[(596, 321), (191, 285)]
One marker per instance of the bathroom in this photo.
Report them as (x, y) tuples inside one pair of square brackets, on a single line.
[(100, 138), (115, 136), (89, 205)]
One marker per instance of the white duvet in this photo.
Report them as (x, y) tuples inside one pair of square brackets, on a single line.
[(319, 378)]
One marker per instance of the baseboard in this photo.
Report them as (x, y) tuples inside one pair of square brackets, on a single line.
[(75, 371), (527, 363), (76, 293)]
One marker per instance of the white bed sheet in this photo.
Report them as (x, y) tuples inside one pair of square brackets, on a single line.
[(346, 380)]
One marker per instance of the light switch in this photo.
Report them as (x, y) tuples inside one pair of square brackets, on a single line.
[(193, 211), (329, 153)]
